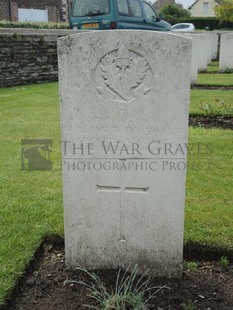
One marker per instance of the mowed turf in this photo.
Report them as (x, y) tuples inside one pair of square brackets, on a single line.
[(218, 101), (209, 199), (213, 67), (218, 79), (31, 202)]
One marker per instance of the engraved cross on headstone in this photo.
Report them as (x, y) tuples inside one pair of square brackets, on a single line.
[(121, 189)]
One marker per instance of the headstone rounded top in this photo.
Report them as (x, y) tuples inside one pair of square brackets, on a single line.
[(167, 35)]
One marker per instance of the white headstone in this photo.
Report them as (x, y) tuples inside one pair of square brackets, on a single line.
[(202, 52), (215, 37), (226, 52), (124, 112), (209, 50), (196, 42)]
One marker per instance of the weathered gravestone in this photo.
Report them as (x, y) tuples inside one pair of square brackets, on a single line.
[(214, 50), (203, 51), (196, 55), (124, 112), (226, 52)]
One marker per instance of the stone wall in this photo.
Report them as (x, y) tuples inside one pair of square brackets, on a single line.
[(28, 57)]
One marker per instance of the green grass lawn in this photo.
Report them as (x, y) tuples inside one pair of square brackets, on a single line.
[(209, 200), (31, 202), (218, 100), (213, 67), (215, 79)]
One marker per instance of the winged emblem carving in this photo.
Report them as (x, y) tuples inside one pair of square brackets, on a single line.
[(123, 74)]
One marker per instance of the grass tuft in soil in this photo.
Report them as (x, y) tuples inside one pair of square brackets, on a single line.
[(49, 285)]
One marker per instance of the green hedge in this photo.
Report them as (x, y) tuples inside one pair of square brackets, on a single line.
[(210, 22), (36, 25), (201, 22)]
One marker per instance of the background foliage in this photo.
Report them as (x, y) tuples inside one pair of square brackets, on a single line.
[(174, 10), (224, 11), (201, 22)]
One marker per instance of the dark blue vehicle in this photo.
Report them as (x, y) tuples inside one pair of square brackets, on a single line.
[(115, 14)]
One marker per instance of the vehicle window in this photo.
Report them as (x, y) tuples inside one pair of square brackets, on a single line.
[(90, 7), (179, 27), (150, 13), (122, 7), (135, 8)]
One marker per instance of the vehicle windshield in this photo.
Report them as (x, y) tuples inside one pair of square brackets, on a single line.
[(90, 7), (150, 13)]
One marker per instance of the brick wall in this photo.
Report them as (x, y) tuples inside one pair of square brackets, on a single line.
[(64, 10), (53, 7), (28, 57), (14, 11), (57, 9), (53, 14), (4, 10), (35, 4)]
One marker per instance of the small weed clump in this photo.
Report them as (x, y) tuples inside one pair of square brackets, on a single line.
[(191, 266), (224, 261), (188, 306), (218, 107), (228, 70), (131, 291)]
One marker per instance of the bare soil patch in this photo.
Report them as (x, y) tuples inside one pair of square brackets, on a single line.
[(211, 121), (213, 87), (43, 287)]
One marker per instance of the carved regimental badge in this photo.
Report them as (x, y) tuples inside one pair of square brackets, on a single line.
[(123, 79)]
